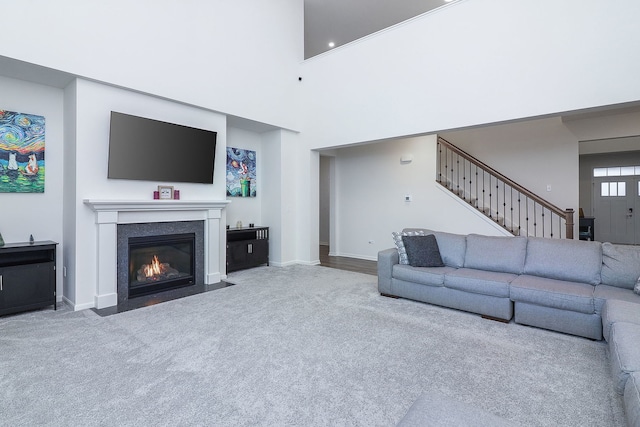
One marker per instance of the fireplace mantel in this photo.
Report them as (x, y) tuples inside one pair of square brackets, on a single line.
[(154, 205), (110, 213)]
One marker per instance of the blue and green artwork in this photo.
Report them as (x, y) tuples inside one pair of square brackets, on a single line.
[(21, 153), (241, 172)]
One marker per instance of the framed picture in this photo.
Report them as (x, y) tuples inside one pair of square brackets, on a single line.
[(165, 192), (241, 172), (21, 152)]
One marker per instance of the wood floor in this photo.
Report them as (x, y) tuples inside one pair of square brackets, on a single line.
[(346, 263)]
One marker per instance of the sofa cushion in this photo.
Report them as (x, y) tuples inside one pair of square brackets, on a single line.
[(620, 265), (452, 246), (397, 239), (553, 293), (602, 293), (422, 251), (625, 354), (615, 311), (480, 282), (494, 253), (632, 399), (430, 276), (562, 259)]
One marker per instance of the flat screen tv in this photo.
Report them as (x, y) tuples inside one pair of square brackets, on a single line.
[(152, 150)]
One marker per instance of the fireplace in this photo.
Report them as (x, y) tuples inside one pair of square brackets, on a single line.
[(159, 263), (159, 257)]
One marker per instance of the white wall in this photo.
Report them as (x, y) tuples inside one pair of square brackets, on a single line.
[(474, 62), (241, 58), (370, 187), (94, 102), (246, 209), (282, 192), (40, 214)]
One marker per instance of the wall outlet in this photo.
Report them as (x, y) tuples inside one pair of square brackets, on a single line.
[(408, 198), (548, 187)]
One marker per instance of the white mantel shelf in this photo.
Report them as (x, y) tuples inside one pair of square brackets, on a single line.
[(146, 205), (110, 213)]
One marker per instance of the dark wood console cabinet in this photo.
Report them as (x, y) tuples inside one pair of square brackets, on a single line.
[(247, 247), (27, 276)]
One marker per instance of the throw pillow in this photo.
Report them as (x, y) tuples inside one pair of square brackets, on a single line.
[(423, 251), (397, 239), (636, 288)]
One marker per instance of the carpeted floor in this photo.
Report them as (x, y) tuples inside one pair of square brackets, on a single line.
[(294, 346)]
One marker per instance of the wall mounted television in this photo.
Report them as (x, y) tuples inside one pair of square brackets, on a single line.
[(152, 150)]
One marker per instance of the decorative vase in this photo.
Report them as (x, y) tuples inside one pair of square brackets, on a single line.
[(1, 240)]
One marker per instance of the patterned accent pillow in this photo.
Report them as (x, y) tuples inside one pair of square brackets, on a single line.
[(397, 239), (636, 288)]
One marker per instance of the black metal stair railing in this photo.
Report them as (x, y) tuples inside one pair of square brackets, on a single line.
[(509, 204)]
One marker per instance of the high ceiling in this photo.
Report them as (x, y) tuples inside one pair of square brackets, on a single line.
[(343, 21)]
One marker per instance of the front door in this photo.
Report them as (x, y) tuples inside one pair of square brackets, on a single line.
[(617, 209)]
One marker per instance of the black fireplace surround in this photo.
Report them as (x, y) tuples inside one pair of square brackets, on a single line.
[(158, 257)]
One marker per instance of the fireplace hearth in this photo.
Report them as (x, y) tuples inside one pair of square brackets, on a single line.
[(159, 263)]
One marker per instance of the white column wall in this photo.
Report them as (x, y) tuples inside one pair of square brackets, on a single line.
[(280, 208), (37, 214)]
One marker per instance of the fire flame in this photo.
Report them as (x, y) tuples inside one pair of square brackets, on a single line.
[(153, 269)]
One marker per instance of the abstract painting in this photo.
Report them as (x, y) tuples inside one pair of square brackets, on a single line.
[(21, 153), (241, 172)]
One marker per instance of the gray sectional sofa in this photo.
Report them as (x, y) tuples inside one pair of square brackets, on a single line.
[(576, 287)]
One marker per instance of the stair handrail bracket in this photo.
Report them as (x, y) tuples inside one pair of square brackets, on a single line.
[(515, 208)]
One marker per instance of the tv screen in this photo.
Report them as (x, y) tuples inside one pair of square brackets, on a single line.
[(151, 150)]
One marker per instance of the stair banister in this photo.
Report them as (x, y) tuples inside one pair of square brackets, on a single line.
[(566, 214)]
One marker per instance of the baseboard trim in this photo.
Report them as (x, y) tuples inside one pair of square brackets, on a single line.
[(364, 257), (77, 307)]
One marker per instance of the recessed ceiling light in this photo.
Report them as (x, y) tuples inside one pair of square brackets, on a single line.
[(332, 44)]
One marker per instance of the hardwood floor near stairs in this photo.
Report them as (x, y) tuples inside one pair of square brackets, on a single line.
[(346, 263)]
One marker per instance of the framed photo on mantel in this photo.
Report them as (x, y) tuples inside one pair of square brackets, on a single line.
[(165, 192)]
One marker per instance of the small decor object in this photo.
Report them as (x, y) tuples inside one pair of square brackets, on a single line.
[(31, 240), (239, 224), (156, 195), (251, 225), (1, 240), (176, 194), (636, 288), (241, 172), (21, 152), (165, 192)]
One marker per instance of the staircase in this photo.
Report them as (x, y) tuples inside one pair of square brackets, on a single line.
[(504, 201)]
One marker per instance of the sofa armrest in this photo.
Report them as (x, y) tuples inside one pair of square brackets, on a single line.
[(386, 260)]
